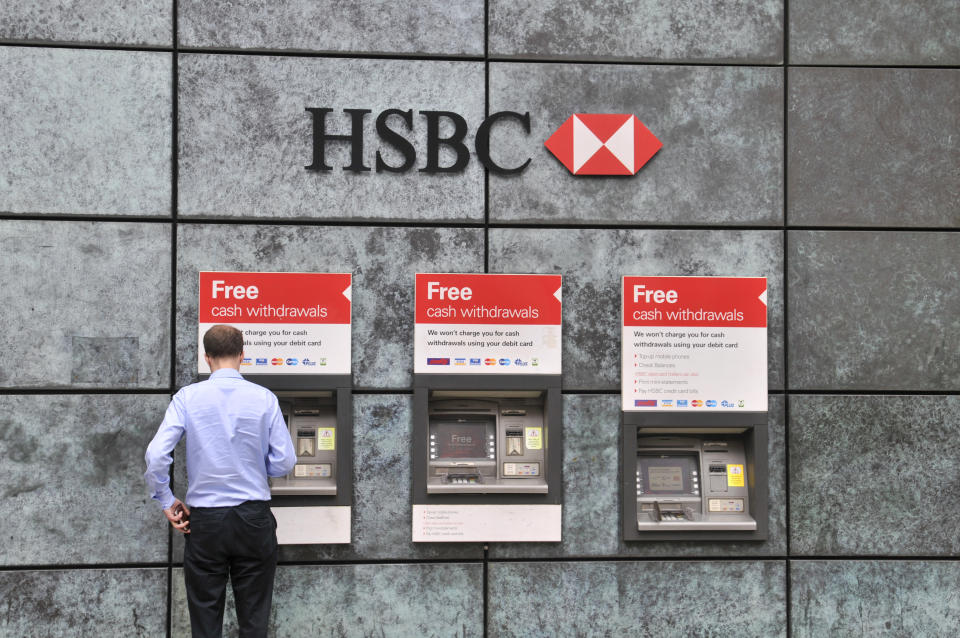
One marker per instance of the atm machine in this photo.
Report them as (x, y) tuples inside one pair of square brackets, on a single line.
[(694, 477), (485, 440), (694, 408), (487, 418)]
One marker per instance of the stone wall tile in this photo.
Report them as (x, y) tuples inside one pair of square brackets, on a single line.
[(874, 598), (874, 147), (85, 305), (874, 475), (873, 310), (745, 598), (85, 132), (135, 22), (89, 602), (721, 129), (246, 138), (361, 26), (73, 474), (878, 32), (687, 30)]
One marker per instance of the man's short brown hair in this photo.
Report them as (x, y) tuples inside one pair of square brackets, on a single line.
[(222, 341)]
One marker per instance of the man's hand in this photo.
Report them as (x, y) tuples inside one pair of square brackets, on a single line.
[(179, 516)]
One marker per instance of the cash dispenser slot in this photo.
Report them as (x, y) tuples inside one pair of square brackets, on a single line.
[(312, 423), (493, 446)]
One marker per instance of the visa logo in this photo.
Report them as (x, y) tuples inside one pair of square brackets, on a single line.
[(261, 361), (475, 362), (682, 403)]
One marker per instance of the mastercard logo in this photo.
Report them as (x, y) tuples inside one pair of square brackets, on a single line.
[(277, 361)]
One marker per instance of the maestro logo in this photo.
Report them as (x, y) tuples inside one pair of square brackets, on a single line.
[(437, 142)]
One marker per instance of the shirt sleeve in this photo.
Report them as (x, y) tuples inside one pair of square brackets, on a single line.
[(159, 454), (281, 457)]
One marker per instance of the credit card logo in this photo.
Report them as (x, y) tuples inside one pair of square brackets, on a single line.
[(246, 361), (292, 362), (277, 361), (711, 403), (644, 403), (475, 362), (262, 361), (697, 403), (490, 362), (504, 362), (460, 361), (438, 361), (667, 403), (682, 403)]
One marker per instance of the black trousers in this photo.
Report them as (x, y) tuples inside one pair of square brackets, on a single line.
[(239, 542)]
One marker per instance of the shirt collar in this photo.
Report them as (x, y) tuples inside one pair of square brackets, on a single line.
[(226, 373)]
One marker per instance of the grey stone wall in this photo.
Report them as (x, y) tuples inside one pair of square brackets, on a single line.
[(816, 142)]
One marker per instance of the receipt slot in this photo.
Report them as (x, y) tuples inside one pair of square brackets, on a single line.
[(296, 329), (694, 408)]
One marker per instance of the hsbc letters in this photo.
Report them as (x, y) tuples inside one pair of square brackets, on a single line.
[(388, 118)]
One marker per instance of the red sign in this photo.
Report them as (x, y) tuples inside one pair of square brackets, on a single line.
[(731, 302), (603, 144), (488, 299), (274, 297)]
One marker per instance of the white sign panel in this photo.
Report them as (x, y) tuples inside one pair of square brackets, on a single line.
[(694, 344)]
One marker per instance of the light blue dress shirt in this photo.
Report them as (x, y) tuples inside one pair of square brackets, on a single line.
[(236, 438)]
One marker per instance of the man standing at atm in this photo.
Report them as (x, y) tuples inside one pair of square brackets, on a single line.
[(236, 438)]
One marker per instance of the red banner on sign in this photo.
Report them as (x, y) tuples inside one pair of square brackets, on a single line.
[(274, 297), (731, 302), (488, 299)]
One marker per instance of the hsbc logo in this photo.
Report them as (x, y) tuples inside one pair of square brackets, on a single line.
[(586, 143), (603, 144)]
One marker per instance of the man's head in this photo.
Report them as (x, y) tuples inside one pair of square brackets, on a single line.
[(223, 347)]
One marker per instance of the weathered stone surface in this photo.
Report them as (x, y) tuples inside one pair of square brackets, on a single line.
[(873, 310), (89, 602), (874, 475), (131, 22), (877, 32), (681, 30), (246, 138), (361, 26), (721, 129), (874, 147), (85, 305), (624, 598), (85, 132), (874, 598)]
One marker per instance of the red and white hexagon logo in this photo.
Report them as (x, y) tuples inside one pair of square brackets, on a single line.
[(603, 144)]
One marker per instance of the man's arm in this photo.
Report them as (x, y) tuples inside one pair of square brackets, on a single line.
[(159, 455), (281, 457)]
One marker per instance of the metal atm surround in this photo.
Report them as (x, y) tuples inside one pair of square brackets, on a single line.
[(334, 392), (678, 430), (479, 400)]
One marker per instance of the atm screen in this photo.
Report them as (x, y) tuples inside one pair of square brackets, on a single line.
[(461, 440), (668, 474)]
